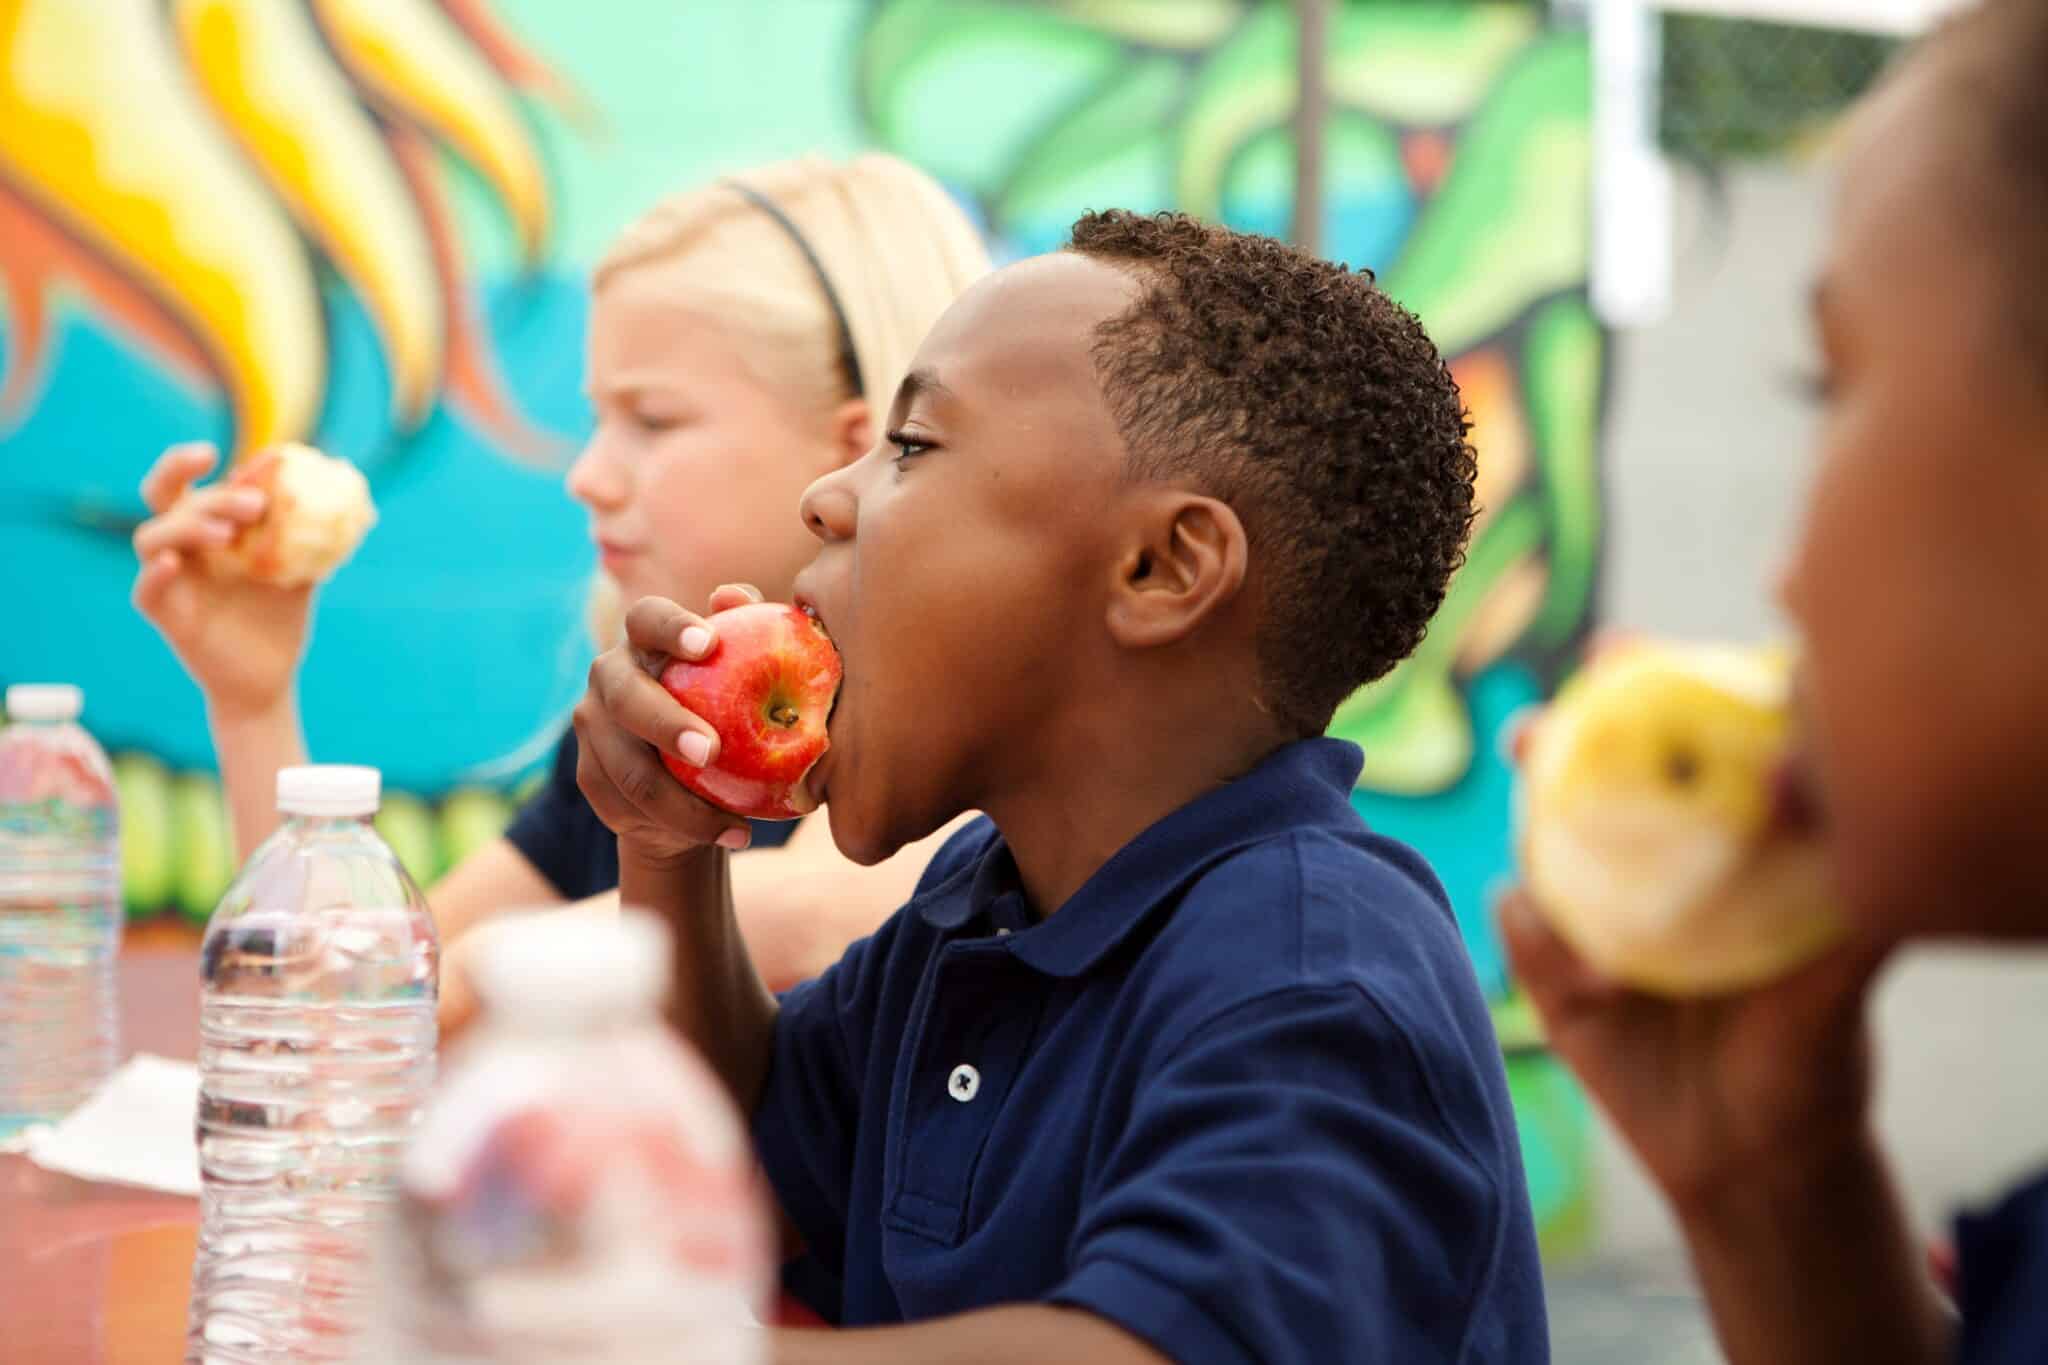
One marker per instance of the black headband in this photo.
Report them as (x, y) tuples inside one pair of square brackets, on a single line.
[(848, 360)]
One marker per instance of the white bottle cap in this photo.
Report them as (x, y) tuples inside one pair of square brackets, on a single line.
[(567, 966), (44, 701), (338, 789)]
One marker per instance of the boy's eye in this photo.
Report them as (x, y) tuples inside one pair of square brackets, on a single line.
[(907, 447)]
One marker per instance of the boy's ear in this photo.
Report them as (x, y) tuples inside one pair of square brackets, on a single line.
[(853, 432), (1184, 566)]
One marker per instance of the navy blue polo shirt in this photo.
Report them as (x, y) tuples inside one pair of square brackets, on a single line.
[(2002, 1260), (1239, 1095)]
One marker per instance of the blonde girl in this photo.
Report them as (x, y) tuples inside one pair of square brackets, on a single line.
[(744, 337)]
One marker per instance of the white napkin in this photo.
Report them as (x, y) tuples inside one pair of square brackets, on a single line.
[(135, 1130)]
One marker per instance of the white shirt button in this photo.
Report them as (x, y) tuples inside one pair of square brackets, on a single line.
[(964, 1083), (1002, 933)]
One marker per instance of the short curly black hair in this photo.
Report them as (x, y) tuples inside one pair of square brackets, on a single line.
[(1296, 391)]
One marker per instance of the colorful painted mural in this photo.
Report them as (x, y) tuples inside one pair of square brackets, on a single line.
[(1459, 159), (367, 223)]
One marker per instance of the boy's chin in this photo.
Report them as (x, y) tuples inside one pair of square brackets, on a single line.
[(858, 840), (868, 834)]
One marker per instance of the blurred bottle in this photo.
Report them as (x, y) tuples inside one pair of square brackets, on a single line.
[(582, 1188), (316, 1054), (60, 907)]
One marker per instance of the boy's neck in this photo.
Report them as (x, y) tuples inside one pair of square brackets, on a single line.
[(1105, 781)]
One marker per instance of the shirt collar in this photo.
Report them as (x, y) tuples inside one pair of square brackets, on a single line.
[(1304, 784)]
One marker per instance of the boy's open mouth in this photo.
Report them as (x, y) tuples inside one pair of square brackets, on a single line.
[(1797, 803), (815, 781)]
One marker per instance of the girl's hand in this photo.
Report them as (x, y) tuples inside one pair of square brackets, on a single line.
[(240, 641)]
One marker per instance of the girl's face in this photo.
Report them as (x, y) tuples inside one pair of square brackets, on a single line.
[(694, 472), (1920, 581)]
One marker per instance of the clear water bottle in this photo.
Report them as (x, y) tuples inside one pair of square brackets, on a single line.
[(60, 907), (582, 1188), (316, 1053)]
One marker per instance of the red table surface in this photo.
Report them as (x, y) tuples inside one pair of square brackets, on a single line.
[(94, 1274)]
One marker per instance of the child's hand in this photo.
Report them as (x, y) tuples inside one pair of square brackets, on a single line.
[(626, 716), (1716, 1089), (240, 641), (1704, 1089)]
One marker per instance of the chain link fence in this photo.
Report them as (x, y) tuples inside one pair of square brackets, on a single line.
[(1741, 89)]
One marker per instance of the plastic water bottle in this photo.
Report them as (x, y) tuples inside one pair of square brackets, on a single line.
[(582, 1188), (60, 907), (316, 1054)]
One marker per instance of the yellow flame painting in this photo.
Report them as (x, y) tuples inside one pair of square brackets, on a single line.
[(188, 166)]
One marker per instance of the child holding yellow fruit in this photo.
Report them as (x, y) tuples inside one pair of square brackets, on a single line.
[(1918, 587)]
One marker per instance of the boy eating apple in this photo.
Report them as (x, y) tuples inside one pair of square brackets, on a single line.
[(1169, 1056)]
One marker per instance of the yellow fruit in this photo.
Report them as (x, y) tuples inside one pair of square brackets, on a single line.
[(1647, 831)]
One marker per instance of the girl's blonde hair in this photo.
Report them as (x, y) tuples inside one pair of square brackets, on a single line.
[(895, 246)]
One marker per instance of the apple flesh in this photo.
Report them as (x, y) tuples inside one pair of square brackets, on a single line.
[(767, 689), (1657, 835), (317, 510)]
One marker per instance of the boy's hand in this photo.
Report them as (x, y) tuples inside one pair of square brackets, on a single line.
[(240, 641), (1713, 1090), (627, 718)]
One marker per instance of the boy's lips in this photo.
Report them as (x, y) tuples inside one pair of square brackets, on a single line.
[(1797, 804), (1798, 797), (816, 781)]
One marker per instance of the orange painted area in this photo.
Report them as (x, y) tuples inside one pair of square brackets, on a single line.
[(515, 61), (473, 382), (144, 230), (1500, 429), (423, 74), (322, 157), (39, 255), (1426, 156)]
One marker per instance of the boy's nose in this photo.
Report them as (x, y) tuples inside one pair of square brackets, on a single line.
[(830, 507)]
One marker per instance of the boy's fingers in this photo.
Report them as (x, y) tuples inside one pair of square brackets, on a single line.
[(1556, 978), (642, 707), (657, 628), (626, 786), (174, 472), (730, 595)]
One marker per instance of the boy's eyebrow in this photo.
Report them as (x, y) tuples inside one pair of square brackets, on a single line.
[(919, 384)]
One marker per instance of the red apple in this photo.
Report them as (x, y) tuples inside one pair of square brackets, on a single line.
[(767, 689)]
